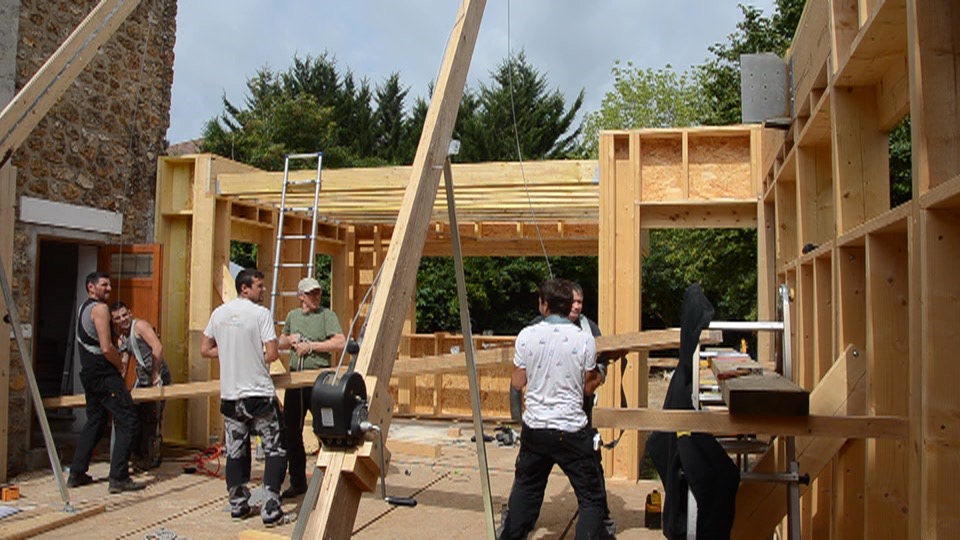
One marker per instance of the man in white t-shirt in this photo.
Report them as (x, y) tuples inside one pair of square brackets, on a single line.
[(240, 333), (555, 360)]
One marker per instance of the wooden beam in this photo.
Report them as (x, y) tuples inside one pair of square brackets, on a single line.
[(336, 508), (374, 179), (723, 423), (200, 297), (42, 91)]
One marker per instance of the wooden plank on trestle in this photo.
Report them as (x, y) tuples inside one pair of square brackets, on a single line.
[(841, 392), (343, 482), (767, 393)]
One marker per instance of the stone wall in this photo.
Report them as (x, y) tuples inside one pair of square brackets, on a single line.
[(97, 147)]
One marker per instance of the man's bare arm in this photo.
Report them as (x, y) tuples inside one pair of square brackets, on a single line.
[(519, 378), (208, 348), (145, 331), (271, 352), (101, 321)]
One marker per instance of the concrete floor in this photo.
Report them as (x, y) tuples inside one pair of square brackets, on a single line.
[(194, 506)]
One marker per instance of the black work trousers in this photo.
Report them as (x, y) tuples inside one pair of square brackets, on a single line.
[(106, 394), (540, 449), (296, 403)]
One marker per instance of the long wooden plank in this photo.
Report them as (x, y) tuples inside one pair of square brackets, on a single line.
[(845, 427), (841, 392), (29, 527), (612, 346), (32, 102), (336, 509)]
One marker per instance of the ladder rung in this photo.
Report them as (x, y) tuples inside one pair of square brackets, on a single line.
[(286, 293), (292, 265), (746, 325), (304, 156), (297, 209), (302, 182), (295, 237)]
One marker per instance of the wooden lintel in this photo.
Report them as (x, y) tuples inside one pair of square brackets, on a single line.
[(722, 423), (702, 214)]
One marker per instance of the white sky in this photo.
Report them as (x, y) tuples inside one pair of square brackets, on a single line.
[(221, 43)]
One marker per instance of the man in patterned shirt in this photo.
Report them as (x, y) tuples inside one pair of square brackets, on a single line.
[(555, 360)]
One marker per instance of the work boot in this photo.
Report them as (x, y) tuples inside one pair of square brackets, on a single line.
[(240, 511), (77, 480), (126, 485), (293, 491), (271, 513)]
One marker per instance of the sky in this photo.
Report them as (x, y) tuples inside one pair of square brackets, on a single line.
[(222, 43)]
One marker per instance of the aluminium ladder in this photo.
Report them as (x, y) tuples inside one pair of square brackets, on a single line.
[(293, 186)]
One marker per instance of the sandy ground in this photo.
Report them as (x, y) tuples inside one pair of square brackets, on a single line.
[(177, 505)]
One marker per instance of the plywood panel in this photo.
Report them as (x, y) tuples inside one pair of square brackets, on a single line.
[(661, 169), (720, 168)]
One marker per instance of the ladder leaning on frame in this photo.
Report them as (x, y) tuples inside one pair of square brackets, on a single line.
[(288, 187), (792, 476)]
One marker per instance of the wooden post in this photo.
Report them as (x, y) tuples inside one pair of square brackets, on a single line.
[(8, 191), (200, 410), (347, 474)]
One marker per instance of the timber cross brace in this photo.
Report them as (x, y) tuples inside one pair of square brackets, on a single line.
[(349, 473)]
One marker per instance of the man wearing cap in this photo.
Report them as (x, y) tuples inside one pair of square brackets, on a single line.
[(312, 333)]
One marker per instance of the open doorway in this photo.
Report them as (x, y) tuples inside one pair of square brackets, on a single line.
[(61, 269)]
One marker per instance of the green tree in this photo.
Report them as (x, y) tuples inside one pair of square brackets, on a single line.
[(543, 123), (644, 98)]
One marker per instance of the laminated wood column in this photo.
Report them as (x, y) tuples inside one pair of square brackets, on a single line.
[(888, 357), (849, 466), (349, 473), (200, 296), (620, 286)]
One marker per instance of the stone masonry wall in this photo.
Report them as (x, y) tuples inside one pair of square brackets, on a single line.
[(97, 147)]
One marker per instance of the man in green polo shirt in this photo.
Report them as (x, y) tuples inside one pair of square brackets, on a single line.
[(313, 334)]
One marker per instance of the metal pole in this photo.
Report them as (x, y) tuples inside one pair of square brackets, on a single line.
[(25, 356), (468, 350)]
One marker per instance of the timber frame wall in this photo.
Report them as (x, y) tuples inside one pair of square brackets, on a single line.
[(880, 279)]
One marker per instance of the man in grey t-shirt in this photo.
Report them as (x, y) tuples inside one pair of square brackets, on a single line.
[(240, 333)]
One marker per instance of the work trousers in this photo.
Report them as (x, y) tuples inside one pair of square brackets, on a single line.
[(106, 394), (296, 403), (540, 449), (241, 418)]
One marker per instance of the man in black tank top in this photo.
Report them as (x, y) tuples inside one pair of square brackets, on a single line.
[(105, 392)]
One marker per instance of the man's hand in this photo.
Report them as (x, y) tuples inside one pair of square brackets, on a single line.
[(303, 347), (602, 370)]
